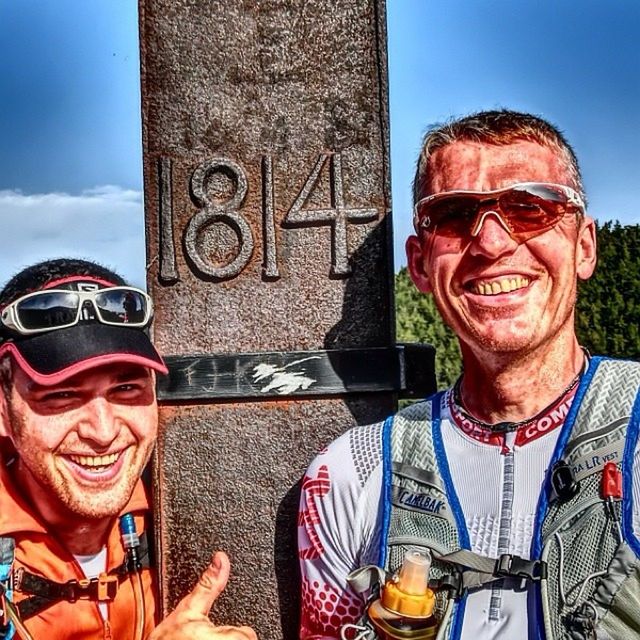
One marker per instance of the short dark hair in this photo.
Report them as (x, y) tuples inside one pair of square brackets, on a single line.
[(499, 127), (39, 275)]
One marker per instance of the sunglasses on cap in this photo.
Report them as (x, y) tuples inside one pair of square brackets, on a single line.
[(525, 210), (52, 309)]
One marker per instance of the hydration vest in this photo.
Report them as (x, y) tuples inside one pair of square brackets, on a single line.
[(584, 565), (42, 593), (7, 553)]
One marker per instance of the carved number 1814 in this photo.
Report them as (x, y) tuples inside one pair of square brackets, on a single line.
[(338, 216)]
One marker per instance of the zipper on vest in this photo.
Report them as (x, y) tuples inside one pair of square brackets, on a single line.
[(106, 620), (95, 605), (506, 513)]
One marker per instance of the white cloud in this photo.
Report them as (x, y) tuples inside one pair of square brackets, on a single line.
[(105, 224)]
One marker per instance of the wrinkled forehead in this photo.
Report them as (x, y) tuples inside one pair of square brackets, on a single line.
[(475, 166)]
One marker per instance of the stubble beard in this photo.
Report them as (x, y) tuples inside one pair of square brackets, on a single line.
[(522, 342), (43, 481)]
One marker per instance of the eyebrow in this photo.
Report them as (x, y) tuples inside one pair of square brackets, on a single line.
[(133, 373)]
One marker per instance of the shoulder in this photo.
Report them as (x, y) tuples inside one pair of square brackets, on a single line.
[(360, 448), (352, 457), (339, 504), (614, 371), (607, 392), (341, 494)]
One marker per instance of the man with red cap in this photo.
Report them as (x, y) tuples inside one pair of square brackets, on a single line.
[(78, 424)]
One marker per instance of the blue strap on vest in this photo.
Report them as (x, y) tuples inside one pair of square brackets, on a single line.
[(386, 489), (7, 547), (543, 501), (445, 472), (627, 477), (443, 466)]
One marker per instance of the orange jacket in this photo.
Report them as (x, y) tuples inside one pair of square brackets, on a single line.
[(38, 551)]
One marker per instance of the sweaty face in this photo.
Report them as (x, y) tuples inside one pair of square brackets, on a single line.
[(82, 444), (497, 294)]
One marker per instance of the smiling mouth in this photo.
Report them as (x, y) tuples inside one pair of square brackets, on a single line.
[(95, 464), (502, 285)]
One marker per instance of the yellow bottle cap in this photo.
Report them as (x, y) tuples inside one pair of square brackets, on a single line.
[(408, 594)]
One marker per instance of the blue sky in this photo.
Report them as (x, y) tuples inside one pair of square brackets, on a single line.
[(70, 159)]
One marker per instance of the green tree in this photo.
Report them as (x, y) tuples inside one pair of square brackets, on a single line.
[(608, 310), (607, 314), (417, 320)]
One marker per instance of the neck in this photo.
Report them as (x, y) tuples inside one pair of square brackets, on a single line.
[(510, 389), (78, 535), (86, 538)]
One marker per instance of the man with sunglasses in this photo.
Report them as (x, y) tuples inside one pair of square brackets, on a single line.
[(519, 482), (78, 423)]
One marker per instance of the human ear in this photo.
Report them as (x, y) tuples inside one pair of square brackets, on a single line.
[(416, 264), (586, 254)]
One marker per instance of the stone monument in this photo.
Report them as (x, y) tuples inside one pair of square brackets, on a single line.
[(267, 199)]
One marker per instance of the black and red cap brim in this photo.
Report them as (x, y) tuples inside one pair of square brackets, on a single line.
[(51, 357)]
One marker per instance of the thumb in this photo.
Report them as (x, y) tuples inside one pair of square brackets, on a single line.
[(210, 585)]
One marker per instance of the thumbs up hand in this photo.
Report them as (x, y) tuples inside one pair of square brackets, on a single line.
[(190, 619)]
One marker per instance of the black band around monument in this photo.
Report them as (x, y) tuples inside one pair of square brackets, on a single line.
[(407, 370)]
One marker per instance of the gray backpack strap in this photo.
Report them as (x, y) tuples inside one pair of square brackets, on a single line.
[(480, 570), (599, 432), (421, 514), (366, 578), (7, 552), (582, 541)]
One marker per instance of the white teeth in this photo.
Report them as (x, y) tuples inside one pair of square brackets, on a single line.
[(95, 463), (494, 287)]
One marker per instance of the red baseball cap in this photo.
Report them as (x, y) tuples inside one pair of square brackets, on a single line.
[(51, 356)]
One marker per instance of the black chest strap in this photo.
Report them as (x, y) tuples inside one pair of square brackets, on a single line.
[(43, 593)]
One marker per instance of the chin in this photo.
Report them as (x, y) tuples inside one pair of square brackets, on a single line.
[(100, 505), (502, 342), (98, 511)]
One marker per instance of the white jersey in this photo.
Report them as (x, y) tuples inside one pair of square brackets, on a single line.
[(498, 488)]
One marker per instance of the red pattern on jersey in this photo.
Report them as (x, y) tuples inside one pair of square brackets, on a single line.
[(308, 517), (528, 431), (325, 610)]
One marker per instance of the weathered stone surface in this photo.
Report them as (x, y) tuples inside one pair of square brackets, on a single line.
[(267, 199)]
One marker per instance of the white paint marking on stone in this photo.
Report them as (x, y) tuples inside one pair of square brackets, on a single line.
[(283, 381)]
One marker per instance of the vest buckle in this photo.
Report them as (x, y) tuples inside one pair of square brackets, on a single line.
[(103, 589), (510, 566)]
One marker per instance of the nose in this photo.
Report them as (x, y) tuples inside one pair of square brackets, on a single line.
[(491, 236), (99, 423)]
